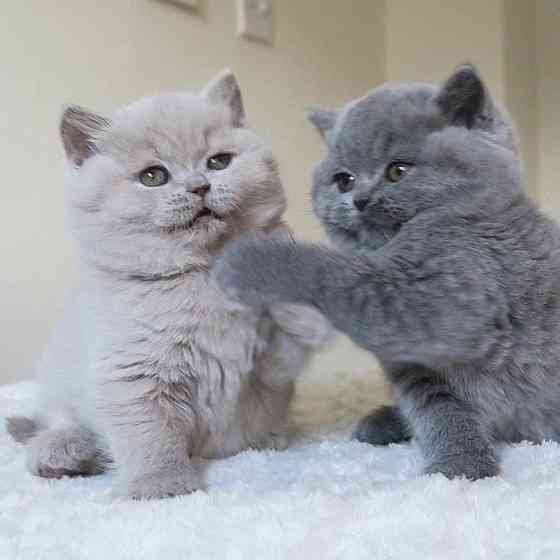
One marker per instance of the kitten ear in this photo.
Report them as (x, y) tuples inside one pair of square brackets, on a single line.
[(463, 96), (78, 129), (323, 120), (224, 90)]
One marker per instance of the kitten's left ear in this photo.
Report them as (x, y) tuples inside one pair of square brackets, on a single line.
[(463, 97), (323, 120), (224, 90), (79, 129)]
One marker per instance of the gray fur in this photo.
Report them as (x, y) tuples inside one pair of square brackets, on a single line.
[(151, 366), (449, 276)]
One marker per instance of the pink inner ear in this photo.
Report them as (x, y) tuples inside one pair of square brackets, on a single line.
[(225, 90), (78, 130)]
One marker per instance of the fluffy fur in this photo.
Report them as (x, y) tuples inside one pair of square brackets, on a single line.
[(449, 273), (151, 366)]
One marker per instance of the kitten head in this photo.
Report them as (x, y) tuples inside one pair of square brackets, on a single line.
[(160, 186), (407, 149)]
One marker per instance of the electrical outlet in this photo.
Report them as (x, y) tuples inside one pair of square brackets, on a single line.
[(255, 19)]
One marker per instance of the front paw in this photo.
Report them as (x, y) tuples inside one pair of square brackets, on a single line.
[(468, 466), (162, 484), (237, 272), (248, 270)]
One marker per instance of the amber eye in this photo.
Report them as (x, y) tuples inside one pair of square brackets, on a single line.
[(396, 171), (219, 162), (154, 176), (344, 181)]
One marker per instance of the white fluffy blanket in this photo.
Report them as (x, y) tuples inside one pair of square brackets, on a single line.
[(325, 498)]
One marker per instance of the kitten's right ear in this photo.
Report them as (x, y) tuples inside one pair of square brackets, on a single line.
[(323, 120), (78, 129), (224, 90), (463, 97)]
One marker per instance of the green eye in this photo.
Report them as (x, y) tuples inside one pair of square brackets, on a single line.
[(154, 176), (219, 161), (396, 171), (344, 181)]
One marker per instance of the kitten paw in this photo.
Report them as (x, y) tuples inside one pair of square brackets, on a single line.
[(237, 272), (66, 452), (383, 426), (164, 484), (253, 269), (272, 440), (472, 468)]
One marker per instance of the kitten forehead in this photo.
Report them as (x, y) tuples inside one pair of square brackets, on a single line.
[(168, 122), (391, 113)]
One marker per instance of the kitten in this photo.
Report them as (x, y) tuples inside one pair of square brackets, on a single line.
[(446, 270), (151, 365)]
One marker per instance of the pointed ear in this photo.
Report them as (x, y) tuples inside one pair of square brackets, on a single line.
[(463, 96), (224, 90), (78, 129), (323, 120)]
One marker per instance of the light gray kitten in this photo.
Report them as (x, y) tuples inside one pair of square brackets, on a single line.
[(151, 366), (448, 274)]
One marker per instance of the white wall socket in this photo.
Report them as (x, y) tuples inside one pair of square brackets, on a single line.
[(255, 19)]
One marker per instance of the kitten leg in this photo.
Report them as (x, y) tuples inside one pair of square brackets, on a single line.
[(289, 344), (448, 431), (379, 302), (383, 426), (151, 426), (66, 452)]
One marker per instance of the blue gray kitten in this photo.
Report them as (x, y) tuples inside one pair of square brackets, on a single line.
[(445, 270)]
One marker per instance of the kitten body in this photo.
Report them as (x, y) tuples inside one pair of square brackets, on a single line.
[(448, 273), (151, 366)]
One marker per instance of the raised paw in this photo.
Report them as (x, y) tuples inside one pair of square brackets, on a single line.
[(472, 467), (237, 272), (164, 484), (383, 426), (258, 270)]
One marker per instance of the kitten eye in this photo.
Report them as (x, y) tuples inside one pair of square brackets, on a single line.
[(396, 171), (344, 181), (219, 161), (154, 176)]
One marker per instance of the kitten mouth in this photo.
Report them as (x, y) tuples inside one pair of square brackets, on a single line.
[(203, 217)]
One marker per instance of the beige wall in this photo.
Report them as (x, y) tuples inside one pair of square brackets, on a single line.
[(426, 39), (520, 65), (106, 53), (548, 105)]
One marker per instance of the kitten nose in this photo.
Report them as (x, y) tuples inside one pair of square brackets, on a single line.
[(198, 185), (360, 202)]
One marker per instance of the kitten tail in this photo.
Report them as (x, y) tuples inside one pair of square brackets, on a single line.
[(21, 428)]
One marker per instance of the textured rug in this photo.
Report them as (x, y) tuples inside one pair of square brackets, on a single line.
[(325, 498)]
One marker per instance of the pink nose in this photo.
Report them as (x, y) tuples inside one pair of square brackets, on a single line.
[(200, 189)]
